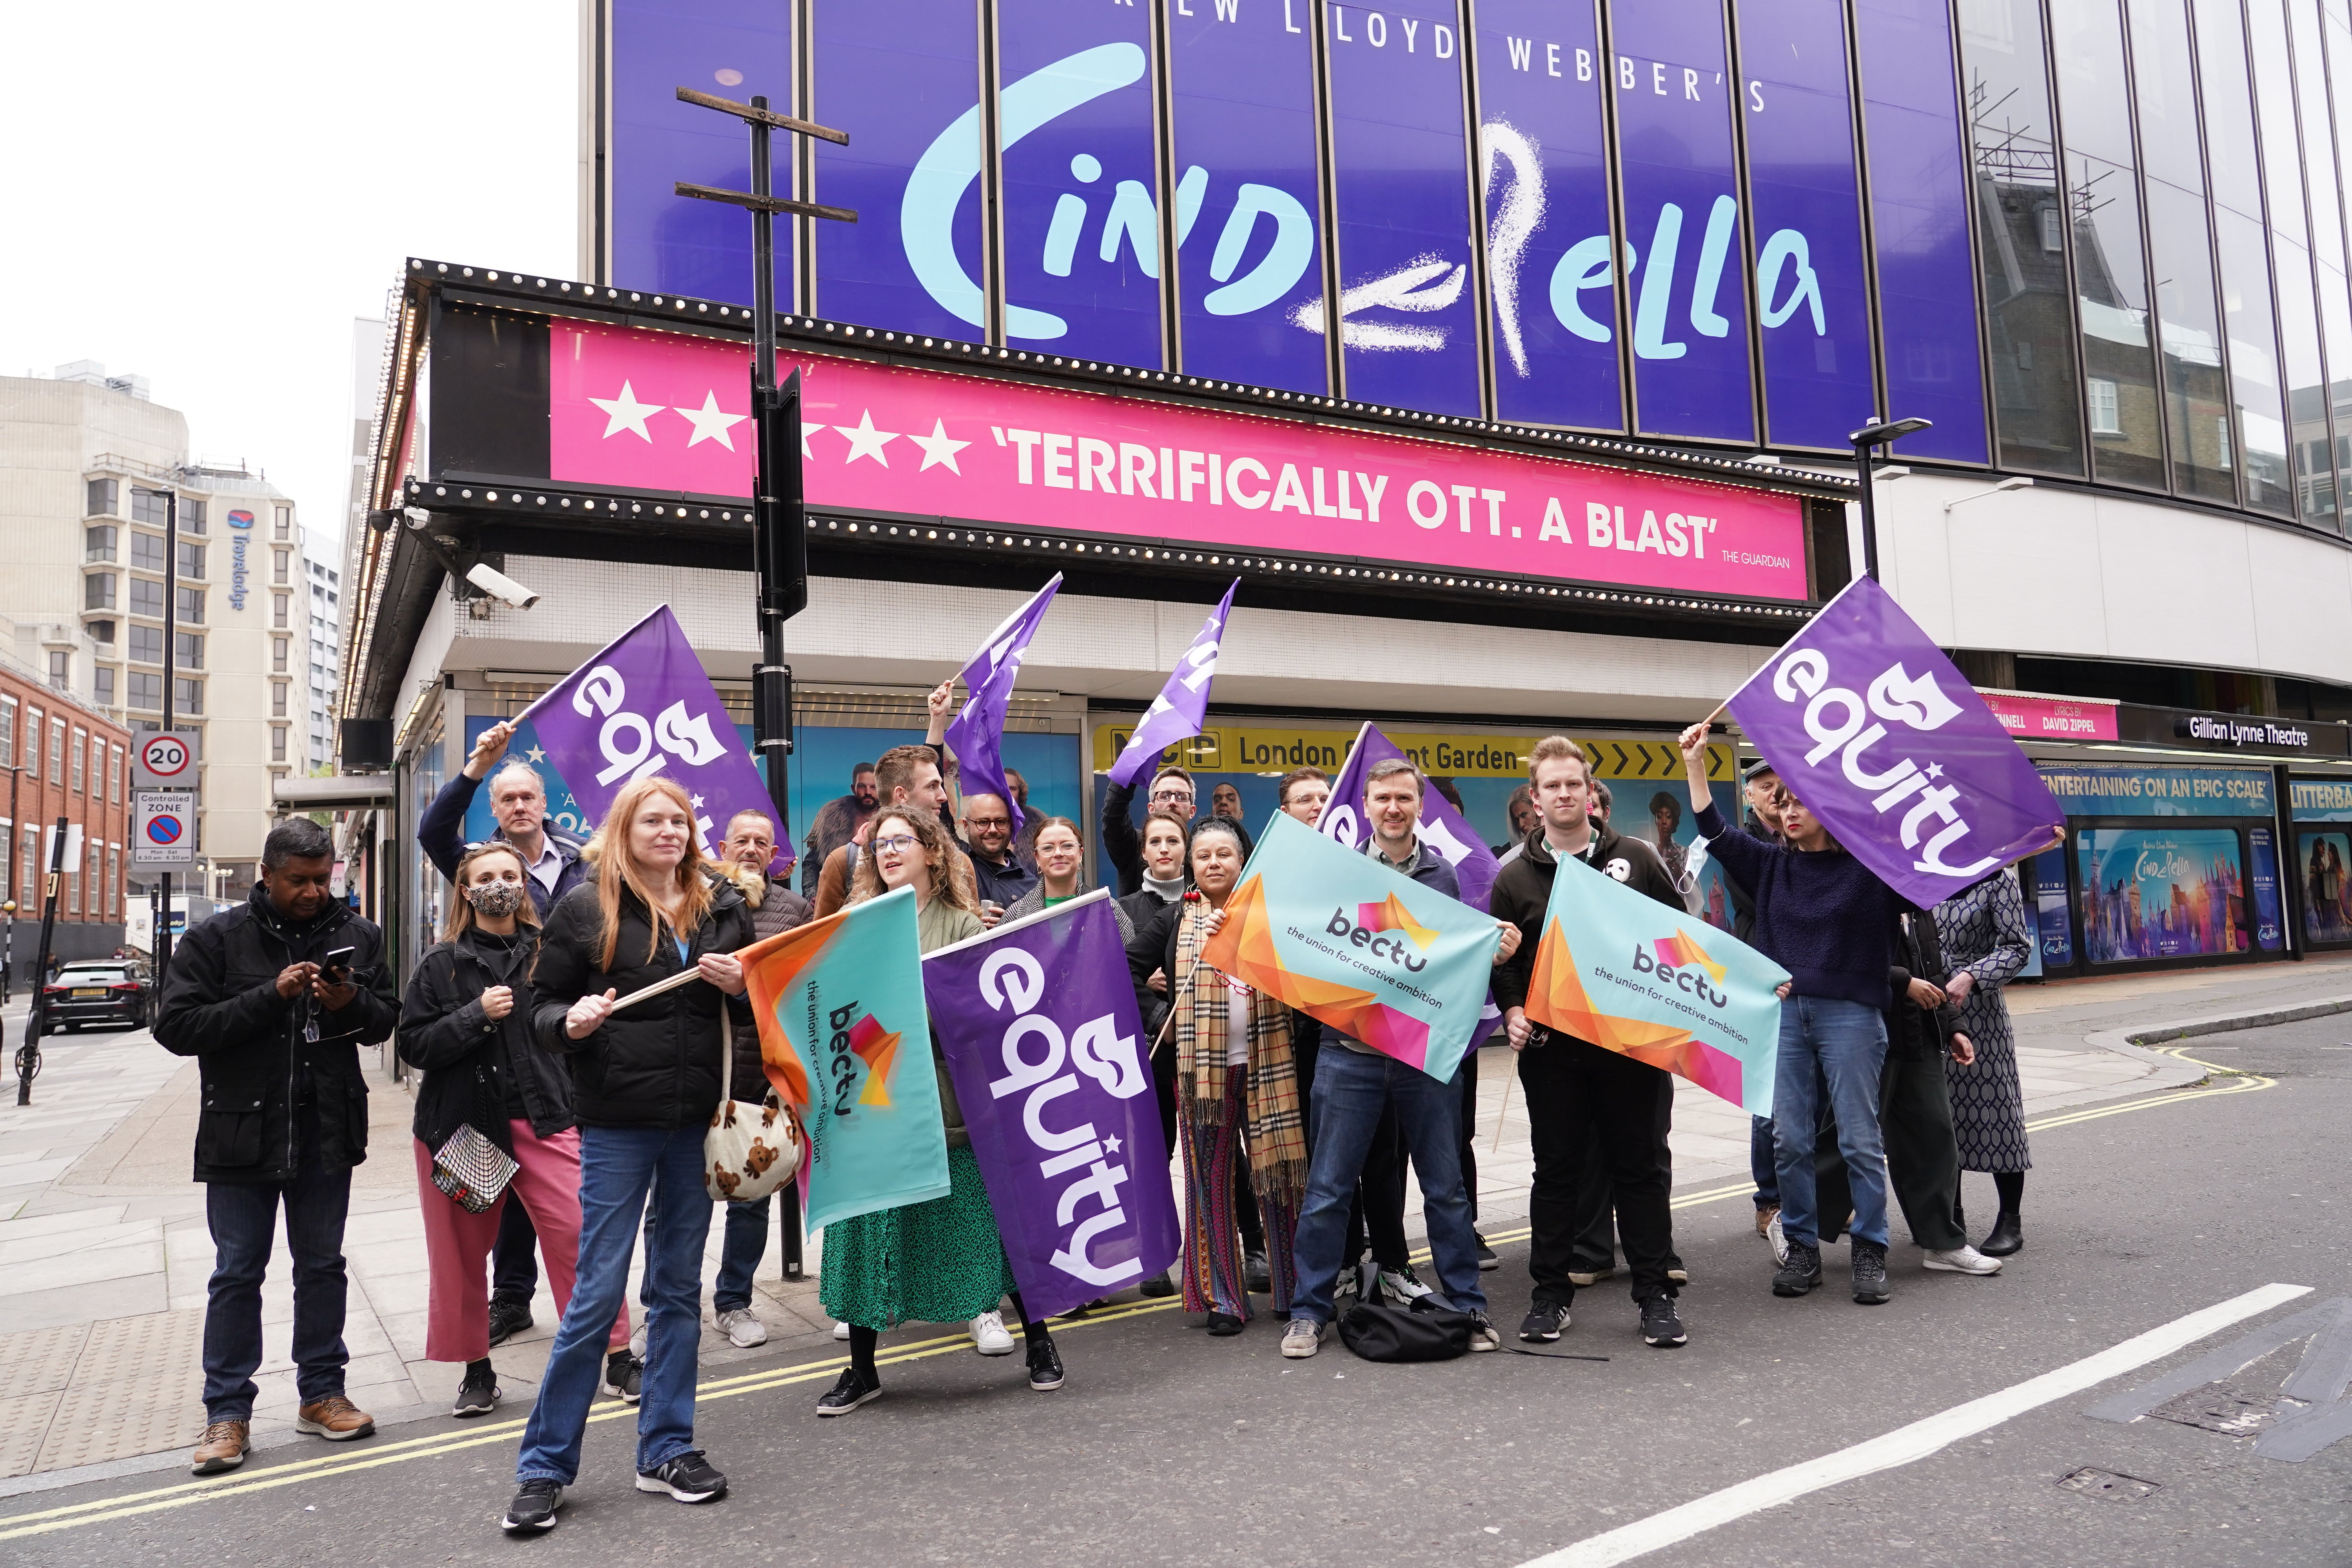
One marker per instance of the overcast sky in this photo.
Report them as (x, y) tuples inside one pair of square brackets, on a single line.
[(206, 195)]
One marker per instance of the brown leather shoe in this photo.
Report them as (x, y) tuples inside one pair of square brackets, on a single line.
[(1764, 1218), (335, 1418), (220, 1449)]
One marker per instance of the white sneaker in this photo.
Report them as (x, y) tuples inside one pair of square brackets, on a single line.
[(1302, 1339), (1963, 1259), (1403, 1286), (637, 1342), (1777, 1238), (987, 1335), (841, 1331), (742, 1329)]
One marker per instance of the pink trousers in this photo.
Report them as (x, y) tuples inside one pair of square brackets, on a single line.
[(457, 1243)]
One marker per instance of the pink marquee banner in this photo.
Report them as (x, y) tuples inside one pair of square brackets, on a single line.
[(658, 411)]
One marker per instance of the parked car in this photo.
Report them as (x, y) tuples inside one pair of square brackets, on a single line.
[(119, 991)]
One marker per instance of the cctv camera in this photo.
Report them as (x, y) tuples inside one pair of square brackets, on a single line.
[(501, 587)]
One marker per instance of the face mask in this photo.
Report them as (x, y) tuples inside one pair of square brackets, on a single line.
[(496, 898)]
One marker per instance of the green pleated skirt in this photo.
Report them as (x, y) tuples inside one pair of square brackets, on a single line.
[(935, 1262)]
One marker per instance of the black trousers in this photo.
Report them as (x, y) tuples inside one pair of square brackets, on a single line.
[(1582, 1097), (1923, 1154), (514, 1271), (1469, 1155)]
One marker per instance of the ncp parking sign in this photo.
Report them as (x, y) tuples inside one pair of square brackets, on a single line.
[(163, 829)]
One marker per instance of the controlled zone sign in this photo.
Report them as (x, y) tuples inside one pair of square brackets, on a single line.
[(164, 829)]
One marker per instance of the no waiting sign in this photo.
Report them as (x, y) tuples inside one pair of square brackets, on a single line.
[(164, 761), (163, 829)]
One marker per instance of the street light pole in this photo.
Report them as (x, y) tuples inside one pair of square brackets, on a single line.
[(8, 944), (1866, 441), (161, 936), (779, 514), (28, 1054)]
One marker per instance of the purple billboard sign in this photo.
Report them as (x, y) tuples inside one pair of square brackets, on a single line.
[(1242, 80), (1872, 727), (1543, 161), (1805, 210), (1038, 1023), (1675, 95), (1081, 202), (1919, 226), (1407, 309), (904, 80)]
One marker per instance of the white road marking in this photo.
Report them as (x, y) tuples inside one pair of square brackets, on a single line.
[(1907, 1444)]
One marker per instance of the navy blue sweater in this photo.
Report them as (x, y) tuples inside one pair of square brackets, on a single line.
[(1822, 917)]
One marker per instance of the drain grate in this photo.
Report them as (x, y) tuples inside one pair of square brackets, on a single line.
[(2107, 1484)]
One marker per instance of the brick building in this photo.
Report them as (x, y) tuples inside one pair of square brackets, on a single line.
[(60, 757)]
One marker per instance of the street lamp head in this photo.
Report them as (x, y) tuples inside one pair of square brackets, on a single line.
[(1879, 435)]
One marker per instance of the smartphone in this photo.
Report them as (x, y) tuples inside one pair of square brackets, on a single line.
[(336, 969)]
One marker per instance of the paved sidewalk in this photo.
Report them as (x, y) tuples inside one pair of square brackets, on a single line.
[(104, 1252)]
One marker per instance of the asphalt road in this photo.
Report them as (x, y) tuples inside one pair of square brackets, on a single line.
[(1165, 1447)]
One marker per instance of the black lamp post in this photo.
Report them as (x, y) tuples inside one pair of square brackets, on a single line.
[(1866, 441)]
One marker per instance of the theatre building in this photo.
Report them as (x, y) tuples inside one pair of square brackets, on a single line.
[(1504, 352)]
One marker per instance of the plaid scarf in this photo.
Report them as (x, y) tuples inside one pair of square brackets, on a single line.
[(1277, 1131)]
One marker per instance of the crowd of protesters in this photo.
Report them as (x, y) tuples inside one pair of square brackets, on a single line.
[(1896, 1071)]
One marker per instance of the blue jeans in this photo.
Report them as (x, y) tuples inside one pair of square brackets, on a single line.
[(739, 1254), (1350, 1091), (1763, 1163), (1843, 1043), (243, 1218), (618, 1166)]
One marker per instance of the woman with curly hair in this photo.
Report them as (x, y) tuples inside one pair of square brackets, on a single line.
[(941, 1261)]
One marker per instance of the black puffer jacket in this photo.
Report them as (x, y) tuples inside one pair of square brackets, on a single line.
[(221, 1007), (445, 1033), (656, 1065)]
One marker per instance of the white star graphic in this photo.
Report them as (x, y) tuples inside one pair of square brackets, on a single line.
[(709, 424), (626, 413), (1110, 1145), (1935, 770), (865, 441), (536, 755), (808, 430), (697, 801), (939, 449)]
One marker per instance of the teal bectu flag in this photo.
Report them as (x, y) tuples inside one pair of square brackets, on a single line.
[(1625, 971), (1372, 954)]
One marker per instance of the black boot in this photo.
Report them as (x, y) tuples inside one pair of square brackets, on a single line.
[(2006, 1237)]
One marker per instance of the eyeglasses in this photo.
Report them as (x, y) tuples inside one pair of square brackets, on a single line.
[(1171, 796), (984, 823), (896, 843)]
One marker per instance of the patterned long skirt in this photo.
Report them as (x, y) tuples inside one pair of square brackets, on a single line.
[(936, 1262), (1988, 1101), (1211, 1260)]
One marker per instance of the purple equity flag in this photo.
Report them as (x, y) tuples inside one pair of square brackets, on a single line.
[(642, 705), (977, 735), (1441, 827), (1176, 714), (1038, 1024), (1872, 727)]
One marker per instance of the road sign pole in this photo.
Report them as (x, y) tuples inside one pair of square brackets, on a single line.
[(28, 1054)]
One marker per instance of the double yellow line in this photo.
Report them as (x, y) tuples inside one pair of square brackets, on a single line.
[(45, 1521)]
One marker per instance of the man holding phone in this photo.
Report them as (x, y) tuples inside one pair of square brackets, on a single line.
[(274, 998)]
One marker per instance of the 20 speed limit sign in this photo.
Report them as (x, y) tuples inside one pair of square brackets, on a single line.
[(164, 761), (164, 829)]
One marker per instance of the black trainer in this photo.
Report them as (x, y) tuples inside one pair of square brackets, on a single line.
[(1158, 1288), (1801, 1273), (1255, 1273), (1869, 1287), (533, 1507), (852, 1391), (1045, 1366), (1662, 1327), (625, 1376), (687, 1477), (479, 1394), (1487, 1258), (1224, 1325), (1543, 1322), (508, 1318)]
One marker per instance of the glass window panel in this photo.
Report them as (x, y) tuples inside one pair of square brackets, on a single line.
[(2274, 110), (2195, 386), (2022, 235), (2166, 92), (1919, 226), (1243, 89), (1400, 169), (2318, 137), (1682, 220), (736, 48), (1081, 207), (2110, 268), (2298, 308), (2266, 472), (902, 77), (1805, 216), (1543, 152)]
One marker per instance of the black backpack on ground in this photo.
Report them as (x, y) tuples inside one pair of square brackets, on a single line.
[(1380, 1332)]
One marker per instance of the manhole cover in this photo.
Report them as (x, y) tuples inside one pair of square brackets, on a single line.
[(2217, 1407), (2107, 1484)]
